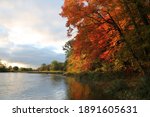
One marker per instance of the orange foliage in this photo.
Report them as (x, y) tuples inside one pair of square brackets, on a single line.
[(97, 36)]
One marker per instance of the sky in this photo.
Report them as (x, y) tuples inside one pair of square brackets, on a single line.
[(31, 32)]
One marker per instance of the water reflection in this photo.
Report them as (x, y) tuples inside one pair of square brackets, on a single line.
[(82, 89), (47, 86), (77, 90)]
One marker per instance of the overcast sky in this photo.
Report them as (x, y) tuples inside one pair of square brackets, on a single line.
[(31, 32)]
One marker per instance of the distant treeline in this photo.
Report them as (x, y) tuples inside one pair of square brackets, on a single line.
[(53, 66), (4, 68)]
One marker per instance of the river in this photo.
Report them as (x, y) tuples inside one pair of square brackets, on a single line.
[(29, 86), (19, 86)]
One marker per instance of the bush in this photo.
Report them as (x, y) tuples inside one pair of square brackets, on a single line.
[(117, 89), (143, 90)]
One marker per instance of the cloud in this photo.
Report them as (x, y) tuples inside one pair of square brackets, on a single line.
[(34, 19), (31, 31), (30, 56)]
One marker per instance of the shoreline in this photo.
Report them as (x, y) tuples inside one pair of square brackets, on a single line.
[(37, 72)]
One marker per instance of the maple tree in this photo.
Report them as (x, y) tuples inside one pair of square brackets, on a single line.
[(103, 29)]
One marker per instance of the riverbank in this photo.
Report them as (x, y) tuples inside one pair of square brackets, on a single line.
[(101, 75), (115, 85), (46, 72)]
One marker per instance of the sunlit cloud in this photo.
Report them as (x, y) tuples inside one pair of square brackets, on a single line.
[(31, 25), (7, 63)]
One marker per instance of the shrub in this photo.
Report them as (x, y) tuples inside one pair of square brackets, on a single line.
[(143, 90)]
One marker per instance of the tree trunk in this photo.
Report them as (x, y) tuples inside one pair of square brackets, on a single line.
[(129, 47)]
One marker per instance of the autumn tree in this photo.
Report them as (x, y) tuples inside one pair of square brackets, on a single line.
[(103, 27)]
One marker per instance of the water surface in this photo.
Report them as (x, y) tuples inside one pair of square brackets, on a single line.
[(32, 86), (19, 86)]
